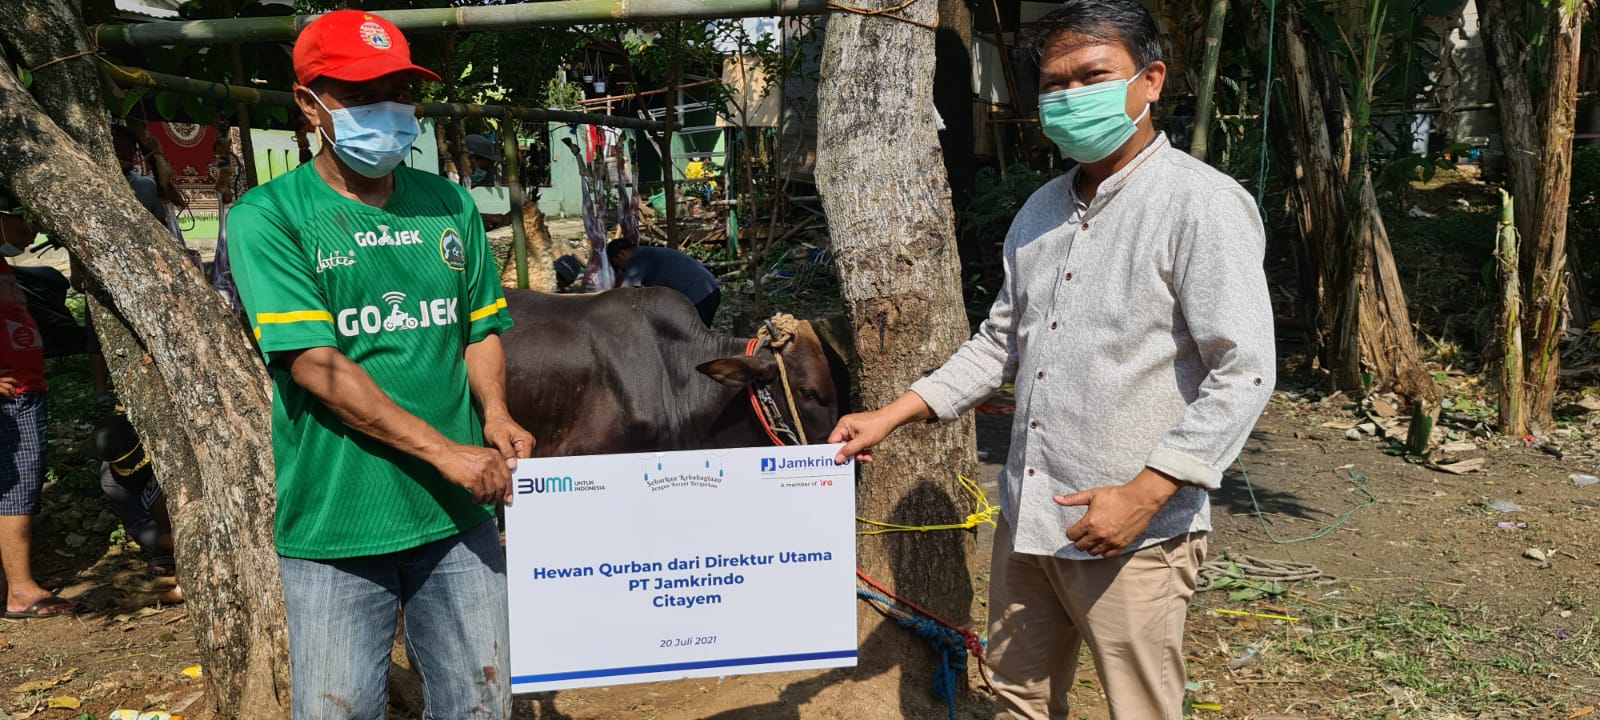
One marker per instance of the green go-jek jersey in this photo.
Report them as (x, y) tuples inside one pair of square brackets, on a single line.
[(401, 290)]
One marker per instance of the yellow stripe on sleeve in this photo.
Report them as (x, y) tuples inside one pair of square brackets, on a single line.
[(294, 317), (486, 310)]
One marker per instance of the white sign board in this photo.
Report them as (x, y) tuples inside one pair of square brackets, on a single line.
[(659, 566)]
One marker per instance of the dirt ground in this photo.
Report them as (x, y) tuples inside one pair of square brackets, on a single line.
[(1426, 607)]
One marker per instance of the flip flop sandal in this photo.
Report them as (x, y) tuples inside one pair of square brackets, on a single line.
[(41, 609)]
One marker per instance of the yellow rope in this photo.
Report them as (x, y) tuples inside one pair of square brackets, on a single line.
[(985, 512)]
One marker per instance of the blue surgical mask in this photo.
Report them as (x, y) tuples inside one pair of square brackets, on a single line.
[(373, 139), (1089, 123), (479, 175)]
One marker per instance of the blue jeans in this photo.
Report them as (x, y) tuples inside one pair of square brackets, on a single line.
[(342, 622)]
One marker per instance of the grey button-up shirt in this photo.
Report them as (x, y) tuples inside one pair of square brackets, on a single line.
[(1139, 333)]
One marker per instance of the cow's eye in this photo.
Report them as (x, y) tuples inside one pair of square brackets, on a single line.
[(811, 395)]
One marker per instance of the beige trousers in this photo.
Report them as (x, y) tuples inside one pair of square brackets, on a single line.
[(1130, 609)]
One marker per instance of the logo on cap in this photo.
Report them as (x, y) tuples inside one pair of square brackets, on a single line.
[(373, 34)]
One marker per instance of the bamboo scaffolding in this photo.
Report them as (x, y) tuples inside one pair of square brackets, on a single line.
[(135, 77), (494, 17)]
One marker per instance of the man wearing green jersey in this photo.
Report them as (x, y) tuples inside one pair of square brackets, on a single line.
[(373, 295)]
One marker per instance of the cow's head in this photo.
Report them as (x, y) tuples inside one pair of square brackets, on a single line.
[(820, 388)]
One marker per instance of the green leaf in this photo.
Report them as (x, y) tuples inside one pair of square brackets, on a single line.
[(25, 76), (129, 99), (166, 105)]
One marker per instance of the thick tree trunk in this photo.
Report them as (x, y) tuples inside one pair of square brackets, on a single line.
[(1538, 148), (196, 388), (889, 212), (1318, 191)]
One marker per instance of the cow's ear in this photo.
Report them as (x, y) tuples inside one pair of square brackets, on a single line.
[(740, 371)]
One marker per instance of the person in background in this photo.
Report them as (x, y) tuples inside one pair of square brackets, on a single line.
[(144, 186), (22, 430), (374, 298), (1135, 320), (485, 158), (650, 266), (569, 269), (129, 481)]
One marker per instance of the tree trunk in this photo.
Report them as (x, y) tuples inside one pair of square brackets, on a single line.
[(1508, 335), (1200, 144), (1546, 308), (195, 387), (1362, 323), (888, 207), (1499, 22), (1318, 193), (541, 252), (1538, 145)]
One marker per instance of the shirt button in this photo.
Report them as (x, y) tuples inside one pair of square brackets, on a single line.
[(1033, 423), (1053, 326), (1030, 471), (1069, 276), (1086, 226), (1040, 375)]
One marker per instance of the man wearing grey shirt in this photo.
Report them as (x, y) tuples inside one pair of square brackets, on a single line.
[(1135, 322)]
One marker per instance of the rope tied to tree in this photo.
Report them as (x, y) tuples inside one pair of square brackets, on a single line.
[(952, 643), (888, 12), (984, 512), (94, 49)]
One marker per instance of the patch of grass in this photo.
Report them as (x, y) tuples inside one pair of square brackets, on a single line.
[(1421, 658)]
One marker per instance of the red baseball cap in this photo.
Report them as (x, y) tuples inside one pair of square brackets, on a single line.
[(352, 45)]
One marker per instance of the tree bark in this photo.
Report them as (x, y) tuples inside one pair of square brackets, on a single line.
[(541, 252), (1318, 193), (197, 391), (1361, 321), (1512, 405), (888, 207), (1538, 145)]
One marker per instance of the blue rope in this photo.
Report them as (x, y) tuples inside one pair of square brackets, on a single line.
[(950, 644)]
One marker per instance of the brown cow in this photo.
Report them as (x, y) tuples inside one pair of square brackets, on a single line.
[(634, 370)]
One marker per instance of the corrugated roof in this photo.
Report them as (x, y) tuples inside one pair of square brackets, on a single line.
[(161, 9)]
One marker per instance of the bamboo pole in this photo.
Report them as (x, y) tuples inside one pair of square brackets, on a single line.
[(242, 110), (425, 20), (1199, 145), (1512, 403), (513, 172), (669, 166), (135, 77)]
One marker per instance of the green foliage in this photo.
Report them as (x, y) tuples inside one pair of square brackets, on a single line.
[(996, 200), (1406, 167), (264, 65), (562, 95)]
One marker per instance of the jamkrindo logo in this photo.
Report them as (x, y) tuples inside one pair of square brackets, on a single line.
[(778, 464)]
